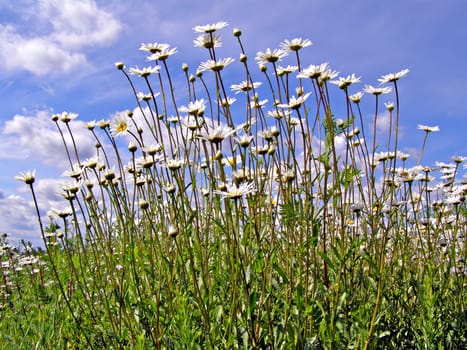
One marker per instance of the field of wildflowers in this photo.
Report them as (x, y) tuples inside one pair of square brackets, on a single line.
[(244, 215)]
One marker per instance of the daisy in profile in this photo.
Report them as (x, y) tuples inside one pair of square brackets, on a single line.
[(195, 108), (226, 102), (344, 82), (65, 117), (119, 125), (210, 28), (244, 140), (154, 47), (313, 71), (376, 91), (163, 54), (28, 177), (393, 77), (356, 97), (295, 44), (145, 72), (428, 128), (270, 56), (279, 114), (215, 65), (174, 164), (244, 86), (193, 122), (233, 191), (208, 41), (286, 70), (295, 102), (216, 134)]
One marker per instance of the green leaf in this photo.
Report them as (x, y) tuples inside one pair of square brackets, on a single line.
[(281, 272)]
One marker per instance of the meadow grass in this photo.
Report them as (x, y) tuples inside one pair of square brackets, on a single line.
[(262, 221)]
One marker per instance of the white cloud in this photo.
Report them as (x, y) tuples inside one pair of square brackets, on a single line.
[(35, 137), (18, 219), (383, 123), (38, 55), (18, 213), (75, 25), (79, 23)]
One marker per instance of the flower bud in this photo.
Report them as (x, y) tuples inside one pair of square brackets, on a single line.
[(132, 147), (237, 32)]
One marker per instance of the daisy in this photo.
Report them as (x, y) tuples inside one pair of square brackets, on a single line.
[(28, 177), (62, 213), (76, 173), (90, 125), (276, 114), (119, 125), (244, 86), (458, 159), (356, 97), (153, 148), (389, 106), (376, 91), (195, 108), (174, 164), (145, 162), (443, 165), (343, 83), (210, 28), (328, 74), (286, 70), (225, 102), (258, 103), (233, 191), (71, 186), (216, 134), (270, 56), (244, 140), (215, 65), (103, 123), (90, 163), (162, 55), (154, 47), (454, 199), (428, 128), (208, 41), (173, 119), (295, 102), (193, 122), (295, 44), (269, 133), (393, 77), (145, 72), (313, 71), (242, 175), (65, 117), (145, 97)]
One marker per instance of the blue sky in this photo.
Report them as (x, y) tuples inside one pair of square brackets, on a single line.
[(59, 55)]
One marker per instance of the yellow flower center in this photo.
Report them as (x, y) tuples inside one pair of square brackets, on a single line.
[(122, 127)]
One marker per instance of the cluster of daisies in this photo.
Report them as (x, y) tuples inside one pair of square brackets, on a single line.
[(213, 145)]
